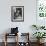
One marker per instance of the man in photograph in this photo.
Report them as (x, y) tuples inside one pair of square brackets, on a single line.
[(18, 13)]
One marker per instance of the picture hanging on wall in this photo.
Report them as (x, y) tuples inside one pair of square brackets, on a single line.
[(17, 13)]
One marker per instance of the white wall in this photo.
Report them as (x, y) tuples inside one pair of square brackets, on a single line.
[(29, 15)]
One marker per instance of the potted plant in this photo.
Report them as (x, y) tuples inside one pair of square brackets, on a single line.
[(39, 35)]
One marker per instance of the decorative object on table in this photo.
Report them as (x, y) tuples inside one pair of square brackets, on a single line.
[(17, 13)]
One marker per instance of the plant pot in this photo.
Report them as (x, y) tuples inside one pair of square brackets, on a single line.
[(40, 41)]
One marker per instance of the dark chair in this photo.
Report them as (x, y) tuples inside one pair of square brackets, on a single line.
[(14, 32)]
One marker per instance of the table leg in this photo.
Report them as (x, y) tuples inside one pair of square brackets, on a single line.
[(5, 40)]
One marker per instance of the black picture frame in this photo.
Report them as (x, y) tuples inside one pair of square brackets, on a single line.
[(17, 13)]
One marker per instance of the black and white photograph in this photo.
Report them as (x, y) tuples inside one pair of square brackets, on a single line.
[(17, 13)]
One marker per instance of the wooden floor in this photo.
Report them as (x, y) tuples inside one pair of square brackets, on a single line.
[(13, 44)]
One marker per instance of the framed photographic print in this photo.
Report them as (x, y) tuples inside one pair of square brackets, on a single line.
[(17, 13)]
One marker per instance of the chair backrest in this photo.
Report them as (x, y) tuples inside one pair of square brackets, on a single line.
[(14, 30)]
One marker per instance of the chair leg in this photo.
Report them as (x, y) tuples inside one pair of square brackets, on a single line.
[(5, 43), (5, 40)]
